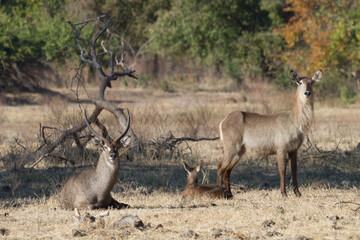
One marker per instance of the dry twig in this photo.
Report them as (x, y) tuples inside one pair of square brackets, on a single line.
[(348, 202)]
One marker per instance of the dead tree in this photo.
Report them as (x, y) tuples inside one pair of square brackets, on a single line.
[(90, 55)]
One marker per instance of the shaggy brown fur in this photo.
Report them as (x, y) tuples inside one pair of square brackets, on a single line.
[(90, 189)]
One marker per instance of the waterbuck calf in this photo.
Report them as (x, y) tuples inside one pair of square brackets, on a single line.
[(91, 188), (194, 189), (263, 135)]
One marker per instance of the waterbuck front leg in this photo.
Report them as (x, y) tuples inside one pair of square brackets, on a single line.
[(117, 205), (293, 167), (281, 159)]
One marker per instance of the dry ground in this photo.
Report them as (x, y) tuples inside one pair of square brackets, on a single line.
[(255, 214), (152, 185)]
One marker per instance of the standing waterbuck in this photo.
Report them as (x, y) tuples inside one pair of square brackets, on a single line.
[(263, 135), (91, 188), (194, 189)]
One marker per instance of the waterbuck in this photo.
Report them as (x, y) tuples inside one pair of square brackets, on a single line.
[(263, 135), (91, 188), (194, 189)]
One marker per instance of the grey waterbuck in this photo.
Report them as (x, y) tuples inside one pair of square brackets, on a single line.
[(91, 188), (263, 135), (194, 189)]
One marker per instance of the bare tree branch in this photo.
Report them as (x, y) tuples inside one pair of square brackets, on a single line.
[(70, 132), (18, 143), (100, 103), (77, 77), (173, 141), (39, 160)]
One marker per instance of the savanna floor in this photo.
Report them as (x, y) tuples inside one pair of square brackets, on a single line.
[(254, 214), (329, 165)]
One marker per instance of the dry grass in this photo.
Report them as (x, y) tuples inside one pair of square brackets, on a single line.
[(152, 185), (248, 216)]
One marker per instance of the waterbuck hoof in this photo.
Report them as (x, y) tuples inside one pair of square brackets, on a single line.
[(297, 193), (284, 194), (228, 195), (123, 205), (119, 206)]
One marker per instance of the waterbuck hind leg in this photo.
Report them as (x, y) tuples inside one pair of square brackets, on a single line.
[(281, 159), (117, 205), (220, 173), (227, 173), (227, 181), (228, 195), (225, 165), (293, 167)]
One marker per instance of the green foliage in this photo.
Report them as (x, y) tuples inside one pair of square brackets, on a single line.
[(240, 38), (29, 32), (282, 79), (347, 95), (338, 85), (164, 85), (131, 17), (144, 80), (276, 13), (230, 34), (325, 34)]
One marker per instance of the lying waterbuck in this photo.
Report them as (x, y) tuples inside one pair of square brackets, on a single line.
[(194, 189), (91, 188), (263, 135)]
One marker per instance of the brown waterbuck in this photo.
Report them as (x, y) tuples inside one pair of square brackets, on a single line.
[(193, 189), (263, 135), (91, 188)]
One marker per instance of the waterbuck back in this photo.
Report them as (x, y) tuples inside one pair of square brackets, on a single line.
[(91, 188), (263, 135), (193, 189)]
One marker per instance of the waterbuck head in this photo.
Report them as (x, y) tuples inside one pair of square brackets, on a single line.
[(111, 148), (192, 173), (305, 84)]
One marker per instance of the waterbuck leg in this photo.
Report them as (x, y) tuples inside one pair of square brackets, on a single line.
[(117, 205), (220, 173), (227, 180), (228, 170), (282, 170), (226, 161), (293, 167)]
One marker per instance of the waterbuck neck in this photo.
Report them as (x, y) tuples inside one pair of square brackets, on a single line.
[(192, 178), (106, 173), (302, 112)]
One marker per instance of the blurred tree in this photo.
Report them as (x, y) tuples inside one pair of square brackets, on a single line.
[(325, 34), (32, 30), (133, 17), (229, 34)]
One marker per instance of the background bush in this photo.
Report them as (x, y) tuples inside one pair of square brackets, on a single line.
[(251, 40)]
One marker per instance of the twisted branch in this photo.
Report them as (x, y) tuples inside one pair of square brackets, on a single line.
[(105, 78)]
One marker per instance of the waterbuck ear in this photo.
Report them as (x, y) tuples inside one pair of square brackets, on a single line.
[(294, 76), (317, 76), (187, 168), (125, 141), (198, 168)]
